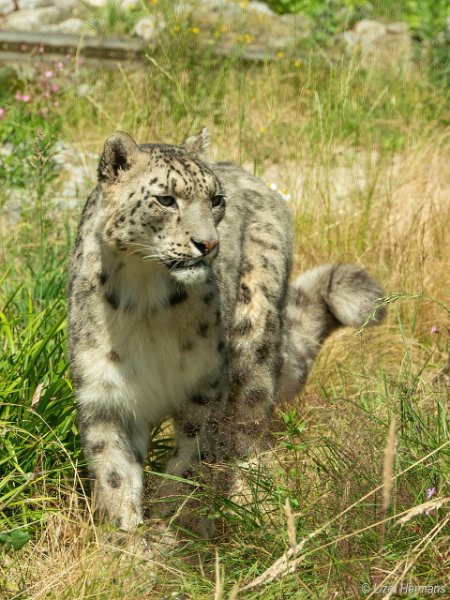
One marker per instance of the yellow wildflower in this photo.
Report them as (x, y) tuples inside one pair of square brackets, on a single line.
[(195, 30), (246, 38)]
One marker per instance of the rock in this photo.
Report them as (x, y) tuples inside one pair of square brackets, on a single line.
[(350, 39), (260, 7), (216, 6), (31, 4), (98, 3), (398, 27), (376, 44), (32, 19), (40, 18), (369, 32), (72, 26), (78, 170), (148, 28)]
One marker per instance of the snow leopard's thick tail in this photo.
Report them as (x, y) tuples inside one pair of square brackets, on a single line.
[(320, 301)]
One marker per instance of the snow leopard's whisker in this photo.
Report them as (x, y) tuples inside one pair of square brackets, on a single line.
[(147, 257)]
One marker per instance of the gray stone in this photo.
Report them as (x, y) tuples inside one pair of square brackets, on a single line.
[(72, 26), (222, 6), (32, 19), (260, 7), (7, 5), (398, 27), (369, 32), (376, 44)]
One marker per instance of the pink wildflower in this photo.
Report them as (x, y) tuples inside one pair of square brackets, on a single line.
[(54, 88), (17, 96), (48, 73), (26, 98), (41, 49), (59, 66), (80, 62), (2, 113), (430, 493), (46, 94), (434, 329)]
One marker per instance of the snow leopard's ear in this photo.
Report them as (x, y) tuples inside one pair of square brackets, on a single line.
[(197, 145), (119, 154)]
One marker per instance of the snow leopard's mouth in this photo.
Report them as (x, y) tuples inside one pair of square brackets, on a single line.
[(189, 263)]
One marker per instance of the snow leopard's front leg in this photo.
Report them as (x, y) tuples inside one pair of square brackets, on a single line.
[(199, 446), (115, 447)]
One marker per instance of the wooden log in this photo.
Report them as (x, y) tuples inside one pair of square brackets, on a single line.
[(21, 45), (24, 42)]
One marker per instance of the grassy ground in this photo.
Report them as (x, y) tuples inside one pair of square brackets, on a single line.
[(364, 155)]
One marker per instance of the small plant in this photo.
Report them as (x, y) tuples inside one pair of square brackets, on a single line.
[(114, 18)]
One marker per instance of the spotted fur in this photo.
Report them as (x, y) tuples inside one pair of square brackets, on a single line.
[(163, 324)]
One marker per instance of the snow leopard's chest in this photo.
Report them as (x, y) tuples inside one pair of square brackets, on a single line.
[(154, 361)]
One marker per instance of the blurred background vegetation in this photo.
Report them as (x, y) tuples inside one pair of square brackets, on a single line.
[(360, 151)]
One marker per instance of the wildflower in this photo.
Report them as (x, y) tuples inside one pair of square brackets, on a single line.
[(262, 129), (430, 493), (246, 38), (2, 113), (283, 193), (54, 88), (434, 329), (297, 63), (280, 54), (176, 29), (26, 98), (195, 30), (46, 94), (41, 49), (59, 66), (80, 62), (18, 96), (48, 74)]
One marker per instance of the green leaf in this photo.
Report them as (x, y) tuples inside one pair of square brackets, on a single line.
[(16, 539)]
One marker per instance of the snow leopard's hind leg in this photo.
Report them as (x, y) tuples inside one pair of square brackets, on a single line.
[(256, 337), (320, 301)]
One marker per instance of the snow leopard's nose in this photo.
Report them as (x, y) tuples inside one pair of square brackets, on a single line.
[(205, 246)]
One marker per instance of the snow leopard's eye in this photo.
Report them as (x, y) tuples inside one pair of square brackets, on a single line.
[(166, 200), (217, 201)]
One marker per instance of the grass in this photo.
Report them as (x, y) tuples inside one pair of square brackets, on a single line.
[(364, 156)]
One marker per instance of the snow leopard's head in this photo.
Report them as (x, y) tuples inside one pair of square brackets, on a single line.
[(161, 203)]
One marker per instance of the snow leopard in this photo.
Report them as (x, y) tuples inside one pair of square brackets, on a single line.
[(181, 306)]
